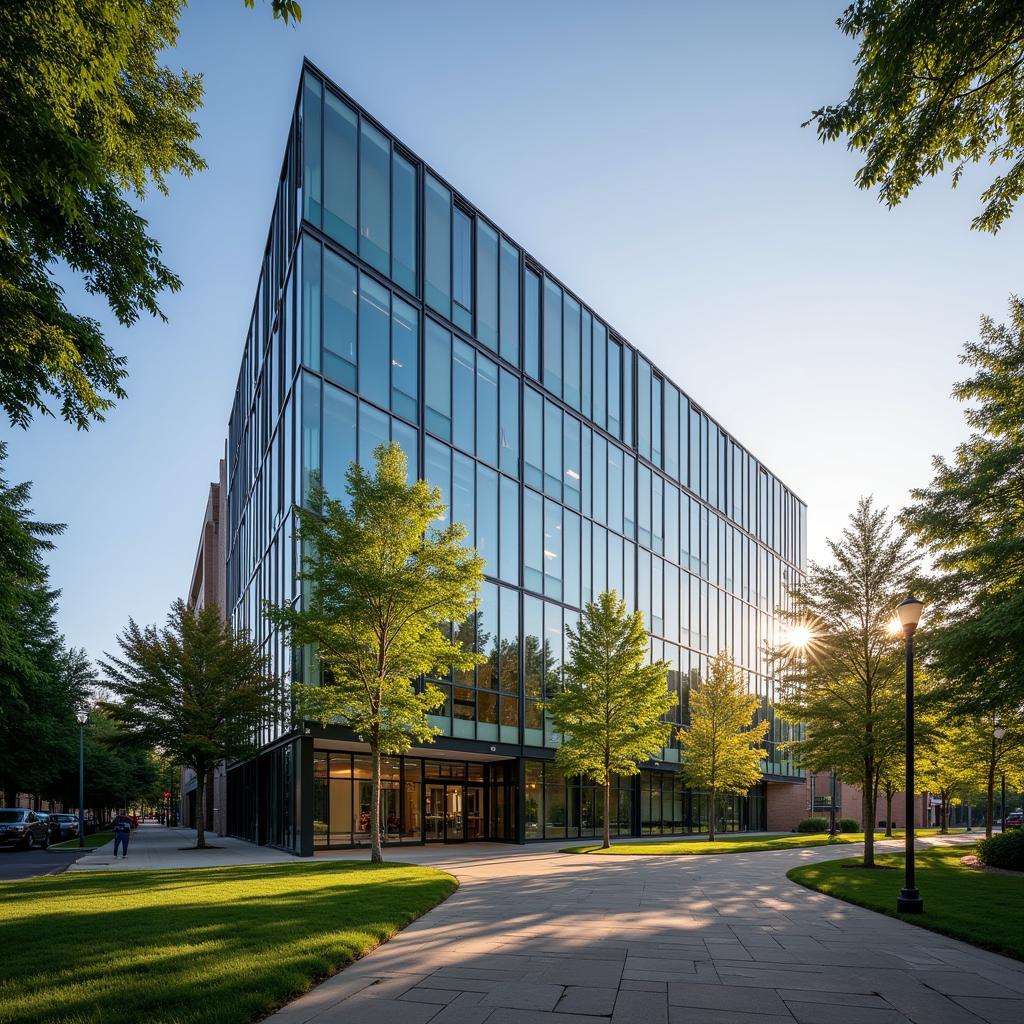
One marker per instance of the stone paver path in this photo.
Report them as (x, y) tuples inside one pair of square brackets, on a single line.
[(537, 937)]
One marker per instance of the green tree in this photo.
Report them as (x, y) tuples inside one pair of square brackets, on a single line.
[(383, 586), (722, 744), (937, 85), (91, 120), (195, 689), (846, 684), (610, 707), (971, 520), (945, 765), (994, 742)]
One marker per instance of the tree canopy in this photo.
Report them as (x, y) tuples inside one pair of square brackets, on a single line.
[(846, 685), (971, 520), (382, 587), (611, 705), (91, 121), (938, 86), (196, 690), (722, 744)]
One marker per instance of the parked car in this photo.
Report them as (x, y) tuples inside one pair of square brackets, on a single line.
[(22, 827), (1015, 819), (52, 825), (68, 825)]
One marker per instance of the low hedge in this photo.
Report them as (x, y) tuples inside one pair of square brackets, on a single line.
[(813, 825), (849, 825), (1005, 850)]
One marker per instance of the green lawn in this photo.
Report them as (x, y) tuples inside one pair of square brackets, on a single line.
[(978, 907), (198, 945), (735, 844), (91, 842)]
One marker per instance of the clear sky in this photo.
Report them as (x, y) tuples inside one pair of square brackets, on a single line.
[(650, 154)]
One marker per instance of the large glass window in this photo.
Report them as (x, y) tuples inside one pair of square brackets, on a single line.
[(533, 438), (587, 376), (531, 335), (552, 549), (310, 302), (571, 574), (486, 410), (614, 387), (552, 337), (627, 395), (615, 485), (571, 350), (463, 417), (403, 226), (463, 489), (487, 285), (600, 479), (339, 439), (571, 460), (404, 349), (340, 147), (487, 518), (374, 430), (438, 244), (438, 473), (509, 423), (311, 148), (339, 356), (600, 374), (374, 350), (671, 431), (509, 511), (375, 198), (643, 426), (462, 269), (509, 302), (656, 424), (438, 380), (533, 541), (552, 449)]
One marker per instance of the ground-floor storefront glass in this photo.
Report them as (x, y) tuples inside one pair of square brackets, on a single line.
[(422, 800)]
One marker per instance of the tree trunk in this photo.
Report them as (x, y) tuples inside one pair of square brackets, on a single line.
[(868, 813), (201, 808), (944, 820), (712, 811), (376, 855), (990, 798), (888, 813), (607, 840)]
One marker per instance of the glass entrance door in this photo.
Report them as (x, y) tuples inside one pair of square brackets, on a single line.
[(455, 817), (434, 814), (475, 812)]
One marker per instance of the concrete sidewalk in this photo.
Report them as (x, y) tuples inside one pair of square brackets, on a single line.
[(157, 847)]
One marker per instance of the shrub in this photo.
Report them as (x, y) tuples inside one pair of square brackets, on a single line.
[(849, 825), (813, 825), (1005, 850)]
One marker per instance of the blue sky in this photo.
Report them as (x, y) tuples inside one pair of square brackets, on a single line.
[(650, 154)]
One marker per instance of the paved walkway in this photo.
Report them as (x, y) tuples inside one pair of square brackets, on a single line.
[(537, 937)]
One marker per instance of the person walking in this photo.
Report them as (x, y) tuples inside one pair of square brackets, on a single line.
[(122, 833)]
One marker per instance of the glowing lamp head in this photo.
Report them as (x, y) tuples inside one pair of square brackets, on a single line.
[(999, 732), (82, 715), (908, 611)]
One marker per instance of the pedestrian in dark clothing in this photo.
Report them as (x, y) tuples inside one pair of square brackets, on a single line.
[(122, 833)]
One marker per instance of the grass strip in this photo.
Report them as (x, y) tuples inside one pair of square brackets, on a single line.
[(197, 945)]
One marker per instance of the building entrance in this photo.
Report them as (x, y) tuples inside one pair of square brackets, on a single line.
[(454, 812)]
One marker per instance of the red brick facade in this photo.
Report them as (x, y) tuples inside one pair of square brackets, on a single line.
[(789, 802)]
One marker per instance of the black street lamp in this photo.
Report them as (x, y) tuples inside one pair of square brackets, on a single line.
[(909, 900), (83, 716)]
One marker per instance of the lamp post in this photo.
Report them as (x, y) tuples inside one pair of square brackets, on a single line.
[(832, 808), (909, 612), (997, 734), (83, 716)]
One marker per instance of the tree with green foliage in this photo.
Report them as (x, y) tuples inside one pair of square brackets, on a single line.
[(846, 686), (971, 520), (945, 765), (722, 744), (91, 120), (937, 85), (196, 690), (383, 586), (994, 743), (611, 705)]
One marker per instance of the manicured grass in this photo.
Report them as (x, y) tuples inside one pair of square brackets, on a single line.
[(978, 907), (197, 945), (734, 844), (91, 842)]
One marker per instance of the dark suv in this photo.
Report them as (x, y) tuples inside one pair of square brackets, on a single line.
[(68, 825), (1015, 819), (21, 827)]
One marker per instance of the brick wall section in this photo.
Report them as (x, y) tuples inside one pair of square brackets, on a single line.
[(789, 802)]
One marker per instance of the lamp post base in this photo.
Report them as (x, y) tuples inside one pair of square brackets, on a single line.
[(909, 902)]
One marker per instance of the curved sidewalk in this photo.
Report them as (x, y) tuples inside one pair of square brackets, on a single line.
[(537, 937)]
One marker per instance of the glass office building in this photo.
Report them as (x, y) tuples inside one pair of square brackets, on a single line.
[(390, 307)]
